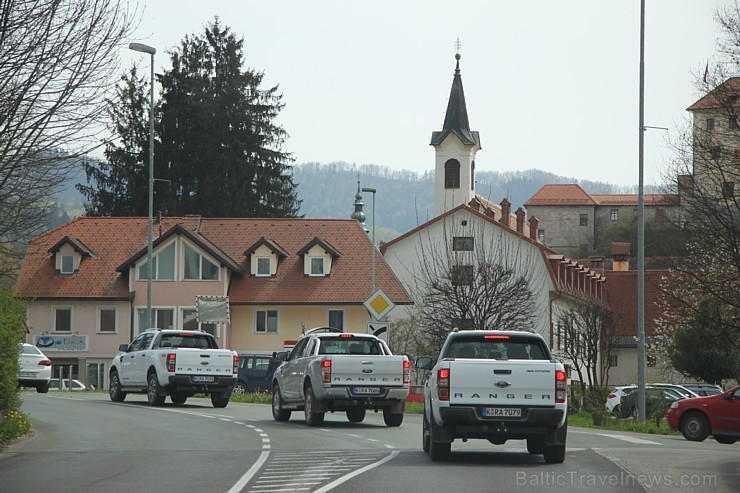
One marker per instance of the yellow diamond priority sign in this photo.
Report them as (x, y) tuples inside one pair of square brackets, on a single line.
[(379, 304)]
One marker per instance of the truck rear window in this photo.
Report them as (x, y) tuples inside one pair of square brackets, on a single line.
[(198, 341), (339, 345), (479, 347)]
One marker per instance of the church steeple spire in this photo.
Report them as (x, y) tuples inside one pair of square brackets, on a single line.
[(456, 118)]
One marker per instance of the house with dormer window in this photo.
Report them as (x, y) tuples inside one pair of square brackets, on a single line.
[(87, 283)]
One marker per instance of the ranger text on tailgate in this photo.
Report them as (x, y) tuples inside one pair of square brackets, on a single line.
[(498, 386), (178, 363), (336, 371)]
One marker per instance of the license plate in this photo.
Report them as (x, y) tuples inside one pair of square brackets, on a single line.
[(366, 390), (502, 412), (200, 378), (26, 374)]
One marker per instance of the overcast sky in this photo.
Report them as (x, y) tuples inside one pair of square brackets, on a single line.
[(551, 85)]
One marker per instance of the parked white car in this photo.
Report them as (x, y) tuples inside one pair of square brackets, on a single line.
[(34, 368), (76, 384)]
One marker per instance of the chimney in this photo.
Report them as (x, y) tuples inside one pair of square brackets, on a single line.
[(520, 220), (621, 256), (533, 224), (505, 212), (597, 264)]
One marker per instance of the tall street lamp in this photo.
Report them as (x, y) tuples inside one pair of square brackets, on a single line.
[(372, 191), (151, 51)]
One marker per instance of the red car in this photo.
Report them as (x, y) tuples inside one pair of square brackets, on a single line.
[(416, 393), (717, 415)]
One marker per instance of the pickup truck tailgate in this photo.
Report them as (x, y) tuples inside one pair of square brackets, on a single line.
[(505, 383), (201, 362), (376, 370)]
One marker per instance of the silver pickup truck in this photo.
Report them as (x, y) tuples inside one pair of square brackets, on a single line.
[(329, 370)]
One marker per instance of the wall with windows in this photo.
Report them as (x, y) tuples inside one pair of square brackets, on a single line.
[(566, 228), (266, 328)]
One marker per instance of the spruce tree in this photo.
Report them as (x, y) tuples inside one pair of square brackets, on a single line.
[(220, 147)]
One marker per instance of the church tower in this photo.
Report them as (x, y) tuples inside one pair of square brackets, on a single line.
[(455, 147)]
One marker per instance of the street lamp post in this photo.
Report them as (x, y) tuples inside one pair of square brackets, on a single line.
[(372, 191), (151, 51)]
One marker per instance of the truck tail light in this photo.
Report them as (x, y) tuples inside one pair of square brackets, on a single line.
[(561, 386), (171, 361), (443, 384), (406, 371), (45, 362), (236, 365), (326, 370)]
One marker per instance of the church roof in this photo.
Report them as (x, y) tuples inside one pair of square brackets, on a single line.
[(456, 118)]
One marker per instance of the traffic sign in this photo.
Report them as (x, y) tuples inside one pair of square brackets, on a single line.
[(378, 304), (379, 329)]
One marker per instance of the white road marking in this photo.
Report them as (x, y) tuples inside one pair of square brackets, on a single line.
[(628, 439), (388, 446), (239, 485), (353, 474)]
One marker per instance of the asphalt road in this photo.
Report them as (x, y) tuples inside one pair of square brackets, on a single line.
[(85, 443)]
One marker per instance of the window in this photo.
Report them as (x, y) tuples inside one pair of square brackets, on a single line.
[(197, 267), (266, 321), (452, 174), (190, 322), (613, 361), (462, 243), (728, 189), (541, 235), (716, 152), (107, 319), (163, 265), (164, 318), (461, 275), (710, 124), (68, 264), (336, 319), (472, 175), (317, 266), (584, 219), (62, 319), (614, 214), (263, 266)]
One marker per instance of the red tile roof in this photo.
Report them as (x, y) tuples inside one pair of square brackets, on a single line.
[(117, 240), (720, 96), (621, 295), (572, 194), (620, 248)]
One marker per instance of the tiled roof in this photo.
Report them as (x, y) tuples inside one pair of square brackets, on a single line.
[(572, 194), (620, 248), (117, 240), (557, 194), (720, 96), (621, 295)]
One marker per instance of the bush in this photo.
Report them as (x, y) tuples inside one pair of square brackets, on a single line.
[(12, 314), (14, 424)]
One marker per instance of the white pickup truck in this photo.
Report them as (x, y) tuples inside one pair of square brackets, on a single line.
[(178, 363), (498, 386), (337, 371)]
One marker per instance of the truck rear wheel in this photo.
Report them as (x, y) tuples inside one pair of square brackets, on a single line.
[(437, 450), (178, 398), (356, 415), (313, 418), (392, 419), (220, 399), (153, 392), (425, 434), (555, 454)]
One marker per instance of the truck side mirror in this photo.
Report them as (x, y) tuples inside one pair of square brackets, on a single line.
[(424, 362)]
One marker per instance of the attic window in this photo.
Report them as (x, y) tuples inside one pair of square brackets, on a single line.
[(263, 266), (317, 266), (68, 264)]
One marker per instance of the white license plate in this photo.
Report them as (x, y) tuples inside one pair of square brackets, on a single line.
[(199, 378), (502, 412), (26, 374), (366, 390)]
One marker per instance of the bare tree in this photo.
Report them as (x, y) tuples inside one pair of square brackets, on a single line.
[(57, 62), (473, 280), (586, 333)]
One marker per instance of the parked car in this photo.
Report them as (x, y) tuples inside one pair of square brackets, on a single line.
[(615, 396), (416, 393), (657, 399), (703, 389), (34, 368), (76, 384), (255, 373), (717, 415)]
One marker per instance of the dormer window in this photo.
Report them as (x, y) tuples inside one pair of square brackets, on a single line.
[(68, 264), (263, 266), (317, 266)]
